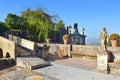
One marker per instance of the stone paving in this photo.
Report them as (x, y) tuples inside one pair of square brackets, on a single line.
[(18, 73), (61, 69), (75, 69)]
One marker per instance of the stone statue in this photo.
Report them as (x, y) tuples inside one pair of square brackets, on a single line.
[(103, 39)]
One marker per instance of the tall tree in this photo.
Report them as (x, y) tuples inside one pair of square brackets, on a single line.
[(40, 23)]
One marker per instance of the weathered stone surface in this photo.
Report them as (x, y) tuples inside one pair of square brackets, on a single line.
[(23, 42), (114, 67), (102, 60), (6, 61), (7, 46), (31, 62), (85, 50), (116, 57), (23, 52)]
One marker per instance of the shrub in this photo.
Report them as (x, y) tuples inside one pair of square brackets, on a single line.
[(66, 36), (114, 36)]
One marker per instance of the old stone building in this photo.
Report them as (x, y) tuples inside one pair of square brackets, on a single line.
[(75, 36)]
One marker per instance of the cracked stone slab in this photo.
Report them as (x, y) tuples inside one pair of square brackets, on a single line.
[(31, 63)]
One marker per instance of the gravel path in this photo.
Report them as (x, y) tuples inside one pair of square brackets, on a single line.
[(64, 72)]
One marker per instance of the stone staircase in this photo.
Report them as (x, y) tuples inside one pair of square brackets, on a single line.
[(23, 52), (31, 63)]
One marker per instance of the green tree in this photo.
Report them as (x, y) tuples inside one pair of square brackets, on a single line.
[(3, 28), (60, 25), (40, 24), (13, 21)]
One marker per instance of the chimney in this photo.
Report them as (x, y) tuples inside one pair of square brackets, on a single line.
[(75, 25)]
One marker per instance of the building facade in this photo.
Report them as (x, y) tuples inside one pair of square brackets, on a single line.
[(76, 37)]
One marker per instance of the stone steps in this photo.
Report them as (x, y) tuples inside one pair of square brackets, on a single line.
[(6, 61), (31, 63), (23, 52)]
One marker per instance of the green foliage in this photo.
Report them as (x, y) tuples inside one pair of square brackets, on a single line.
[(114, 36), (13, 21), (66, 36), (3, 28), (40, 24), (60, 25)]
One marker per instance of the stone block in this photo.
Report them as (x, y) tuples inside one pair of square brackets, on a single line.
[(31, 63), (114, 67)]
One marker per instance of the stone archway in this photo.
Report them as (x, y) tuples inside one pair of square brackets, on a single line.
[(1, 53), (7, 55)]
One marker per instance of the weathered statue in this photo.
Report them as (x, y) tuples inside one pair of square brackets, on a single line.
[(103, 39)]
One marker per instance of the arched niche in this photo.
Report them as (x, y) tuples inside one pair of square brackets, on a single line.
[(1, 53), (7, 55)]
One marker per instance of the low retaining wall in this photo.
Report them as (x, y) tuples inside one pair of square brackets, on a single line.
[(59, 49), (81, 49), (84, 50), (74, 49)]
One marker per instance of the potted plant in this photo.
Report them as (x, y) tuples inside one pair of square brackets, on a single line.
[(114, 38), (48, 40), (66, 38)]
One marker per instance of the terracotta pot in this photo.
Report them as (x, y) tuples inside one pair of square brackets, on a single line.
[(114, 43), (66, 41), (48, 40), (61, 53)]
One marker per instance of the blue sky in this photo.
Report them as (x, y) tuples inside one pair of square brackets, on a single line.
[(90, 14)]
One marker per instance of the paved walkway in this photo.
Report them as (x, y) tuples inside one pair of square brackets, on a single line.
[(75, 69), (61, 69)]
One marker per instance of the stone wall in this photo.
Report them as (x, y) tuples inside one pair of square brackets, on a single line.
[(74, 49), (59, 49), (115, 53), (82, 49), (7, 47), (22, 42)]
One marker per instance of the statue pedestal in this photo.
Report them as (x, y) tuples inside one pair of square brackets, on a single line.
[(43, 51), (102, 60)]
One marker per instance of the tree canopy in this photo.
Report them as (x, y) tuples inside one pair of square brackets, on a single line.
[(3, 28), (13, 21), (60, 25), (38, 23)]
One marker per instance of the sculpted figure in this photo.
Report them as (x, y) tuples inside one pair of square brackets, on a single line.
[(103, 39)]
